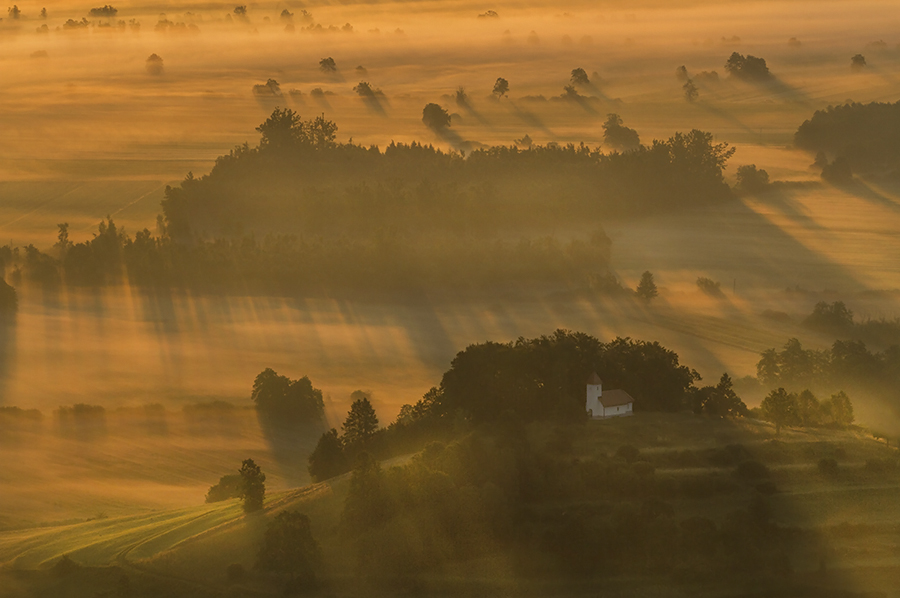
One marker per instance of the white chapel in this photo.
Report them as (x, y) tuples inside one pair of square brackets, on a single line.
[(612, 403)]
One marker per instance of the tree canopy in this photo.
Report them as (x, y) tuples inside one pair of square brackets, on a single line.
[(361, 423), (253, 486), (544, 377), (747, 68), (435, 117), (866, 136), (289, 547), (286, 399), (618, 136)]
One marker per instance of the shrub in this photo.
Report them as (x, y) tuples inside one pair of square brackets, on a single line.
[(709, 286), (229, 486)]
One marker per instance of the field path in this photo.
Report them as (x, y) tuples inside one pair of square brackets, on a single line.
[(136, 538)]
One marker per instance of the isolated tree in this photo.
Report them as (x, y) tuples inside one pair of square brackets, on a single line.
[(681, 73), (579, 77), (691, 92), (289, 547), (461, 98), (501, 87), (780, 408), (154, 65), (752, 179), (270, 88), (858, 62), (364, 90), (14, 12), (241, 12), (327, 65), (328, 458), (646, 288), (435, 118), (360, 425), (747, 68), (286, 16), (253, 486), (285, 399), (618, 136)]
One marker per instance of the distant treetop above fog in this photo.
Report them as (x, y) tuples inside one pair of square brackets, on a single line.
[(747, 68)]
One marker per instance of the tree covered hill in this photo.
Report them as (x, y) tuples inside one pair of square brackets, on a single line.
[(299, 178)]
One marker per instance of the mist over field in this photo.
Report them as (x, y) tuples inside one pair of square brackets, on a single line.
[(191, 193)]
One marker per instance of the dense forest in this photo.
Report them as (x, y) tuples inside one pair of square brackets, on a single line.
[(863, 137), (298, 176), (301, 214)]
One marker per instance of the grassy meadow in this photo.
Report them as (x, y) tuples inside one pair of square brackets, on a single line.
[(849, 516)]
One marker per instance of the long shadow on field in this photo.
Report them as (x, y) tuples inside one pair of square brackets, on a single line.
[(471, 111), (290, 444), (865, 191), (529, 118), (736, 238), (727, 117), (787, 92), (783, 198)]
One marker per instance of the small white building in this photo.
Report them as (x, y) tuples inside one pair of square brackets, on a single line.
[(601, 405)]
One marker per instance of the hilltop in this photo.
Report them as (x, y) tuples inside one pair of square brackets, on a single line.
[(815, 504)]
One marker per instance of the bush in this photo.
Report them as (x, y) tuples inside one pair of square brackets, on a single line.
[(747, 68), (435, 117), (709, 286), (229, 486)]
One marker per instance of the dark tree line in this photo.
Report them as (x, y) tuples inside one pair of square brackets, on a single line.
[(847, 366), (544, 377), (539, 379), (298, 170), (380, 262), (861, 137)]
